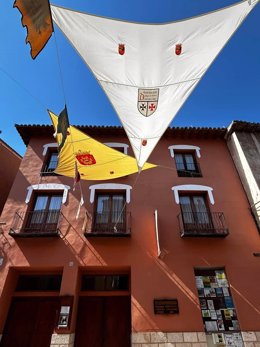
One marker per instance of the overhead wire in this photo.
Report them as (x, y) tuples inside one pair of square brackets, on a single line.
[(22, 87), (81, 203)]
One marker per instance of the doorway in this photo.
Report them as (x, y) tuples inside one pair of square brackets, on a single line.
[(30, 322), (104, 312)]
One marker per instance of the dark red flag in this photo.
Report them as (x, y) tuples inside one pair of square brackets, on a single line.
[(36, 17)]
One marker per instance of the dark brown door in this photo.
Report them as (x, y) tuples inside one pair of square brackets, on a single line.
[(103, 321), (30, 322)]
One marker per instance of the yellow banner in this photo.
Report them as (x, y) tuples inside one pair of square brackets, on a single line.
[(95, 161)]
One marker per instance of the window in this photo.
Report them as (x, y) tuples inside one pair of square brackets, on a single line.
[(38, 283), (195, 212), (195, 218), (50, 163), (110, 212), (105, 282), (185, 159), (186, 165), (110, 217), (121, 147), (44, 216)]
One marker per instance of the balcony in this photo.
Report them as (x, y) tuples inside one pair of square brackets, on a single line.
[(202, 224), (36, 224), (104, 225), (191, 170)]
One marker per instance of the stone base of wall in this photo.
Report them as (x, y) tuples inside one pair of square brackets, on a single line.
[(251, 338), (187, 339), (160, 339), (62, 340)]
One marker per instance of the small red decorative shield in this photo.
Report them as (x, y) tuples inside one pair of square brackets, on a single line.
[(121, 49), (144, 142), (85, 158), (178, 49)]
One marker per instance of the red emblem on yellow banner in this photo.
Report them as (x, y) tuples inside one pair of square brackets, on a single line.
[(85, 158)]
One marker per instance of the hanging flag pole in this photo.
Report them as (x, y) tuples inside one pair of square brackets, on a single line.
[(77, 176), (78, 181), (81, 203)]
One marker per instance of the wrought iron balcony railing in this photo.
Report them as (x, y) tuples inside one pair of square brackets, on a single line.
[(211, 224), (36, 223), (110, 224), (189, 170)]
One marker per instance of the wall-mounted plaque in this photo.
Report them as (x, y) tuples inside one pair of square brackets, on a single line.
[(165, 306)]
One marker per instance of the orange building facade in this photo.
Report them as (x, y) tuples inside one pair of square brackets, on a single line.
[(10, 161), (157, 259)]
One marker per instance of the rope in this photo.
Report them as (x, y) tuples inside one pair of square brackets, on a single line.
[(60, 70), (81, 203), (25, 89)]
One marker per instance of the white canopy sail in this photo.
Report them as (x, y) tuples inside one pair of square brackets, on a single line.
[(149, 70)]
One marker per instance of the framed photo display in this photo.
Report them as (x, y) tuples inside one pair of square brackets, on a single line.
[(217, 307)]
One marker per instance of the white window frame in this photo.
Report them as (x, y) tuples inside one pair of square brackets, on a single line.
[(48, 186), (47, 146), (173, 148), (192, 188), (116, 145), (110, 186)]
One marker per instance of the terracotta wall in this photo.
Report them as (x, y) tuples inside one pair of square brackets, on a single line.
[(171, 275), (10, 162)]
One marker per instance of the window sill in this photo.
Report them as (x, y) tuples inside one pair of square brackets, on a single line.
[(49, 174), (188, 174)]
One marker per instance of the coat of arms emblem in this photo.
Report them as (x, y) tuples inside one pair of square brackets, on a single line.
[(121, 49), (147, 101), (178, 49), (85, 158)]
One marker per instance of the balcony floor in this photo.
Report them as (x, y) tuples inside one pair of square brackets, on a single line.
[(107, 234), (213, 233), (36, 234)]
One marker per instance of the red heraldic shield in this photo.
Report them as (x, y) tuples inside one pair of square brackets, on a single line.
[(121, 49), (178, 49), (85, 158)]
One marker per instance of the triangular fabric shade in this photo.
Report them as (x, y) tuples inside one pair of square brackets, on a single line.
[(94, 160), (149, 70)]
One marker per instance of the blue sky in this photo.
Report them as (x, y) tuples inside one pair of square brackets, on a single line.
[(230, 90)]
